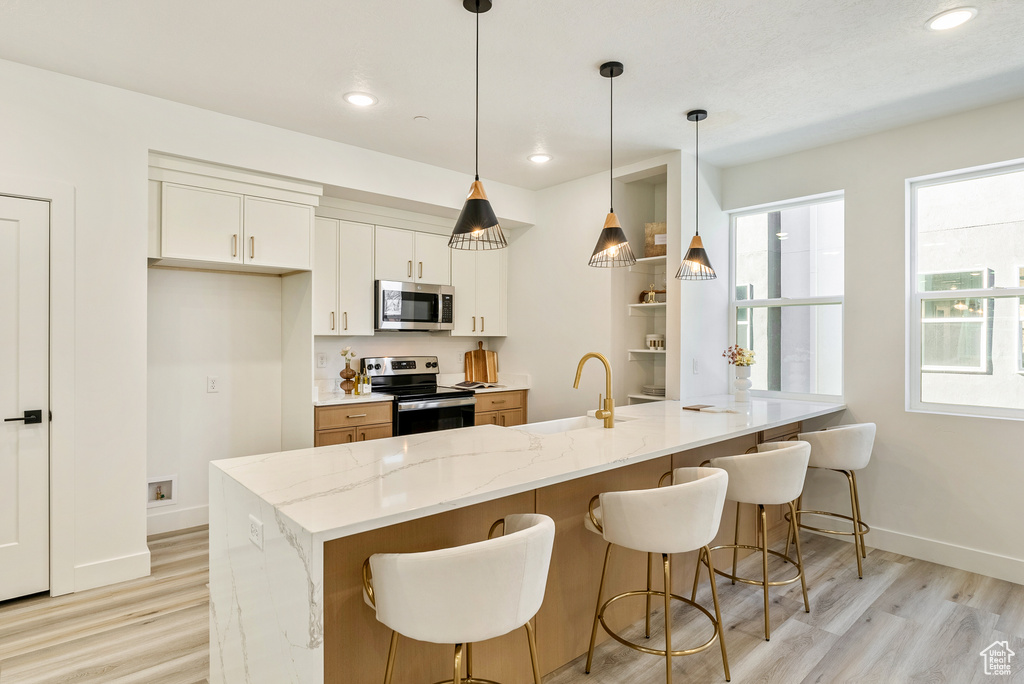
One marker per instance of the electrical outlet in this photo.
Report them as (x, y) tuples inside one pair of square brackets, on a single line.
[(321, 360), (212, 383), (256, 531), (696, 367), (336, 385)]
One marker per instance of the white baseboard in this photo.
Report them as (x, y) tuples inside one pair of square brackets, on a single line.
[(162, 520), (943, 553), (111, 571)]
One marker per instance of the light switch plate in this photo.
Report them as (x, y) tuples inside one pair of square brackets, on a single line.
[(321, 360), (256, 531), (212, 384)]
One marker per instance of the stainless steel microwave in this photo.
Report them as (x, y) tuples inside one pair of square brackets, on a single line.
[(413, 306)]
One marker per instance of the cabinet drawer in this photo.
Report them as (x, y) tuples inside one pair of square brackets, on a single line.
[(498, 401), (331, 437), (372, 432), (352, 415)]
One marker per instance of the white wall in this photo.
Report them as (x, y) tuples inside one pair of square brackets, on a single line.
[(91, 142), (200, 325), (941, 488)]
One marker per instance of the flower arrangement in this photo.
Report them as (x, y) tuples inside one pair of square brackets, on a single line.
[(348, 354), (738, 356)]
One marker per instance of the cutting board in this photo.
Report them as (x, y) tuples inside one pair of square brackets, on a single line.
[(481, 365)]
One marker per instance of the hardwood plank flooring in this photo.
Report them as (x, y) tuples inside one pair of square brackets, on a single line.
[(907, 620)]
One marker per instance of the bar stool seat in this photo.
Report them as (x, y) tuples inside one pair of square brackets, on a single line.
[(774, 475), (679, 518), (464, 594), (843, 449)]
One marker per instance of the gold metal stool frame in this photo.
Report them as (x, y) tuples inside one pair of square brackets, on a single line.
[(460, 649), (860, 528), (668, 652), (762, 532)]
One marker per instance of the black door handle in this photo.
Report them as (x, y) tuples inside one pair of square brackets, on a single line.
[(30, 417)]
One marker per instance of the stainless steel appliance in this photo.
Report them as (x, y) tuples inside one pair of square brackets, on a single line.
[(420, 405), (413, 306)]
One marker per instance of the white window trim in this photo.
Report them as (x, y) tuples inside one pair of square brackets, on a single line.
[(983, 367), (914, 404), (735, 304)]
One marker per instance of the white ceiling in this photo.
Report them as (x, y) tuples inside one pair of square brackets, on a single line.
[(776, 75)]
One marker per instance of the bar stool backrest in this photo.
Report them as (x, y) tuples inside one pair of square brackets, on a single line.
[(467, 593), (845, 447), (774, 475), (674, 519)]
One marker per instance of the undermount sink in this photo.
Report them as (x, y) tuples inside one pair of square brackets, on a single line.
[(552, 427)]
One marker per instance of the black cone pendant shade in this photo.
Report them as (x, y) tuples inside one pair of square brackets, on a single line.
[(612, 249), (696, 265), (477, 226)]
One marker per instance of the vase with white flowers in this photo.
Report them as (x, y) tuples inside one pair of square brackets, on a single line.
[(347, 374), (742, 359)]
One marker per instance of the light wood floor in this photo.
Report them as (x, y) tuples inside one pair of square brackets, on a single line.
[(907, 620)]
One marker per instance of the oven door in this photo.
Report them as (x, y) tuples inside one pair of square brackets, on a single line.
[(427, 415), (413, 306)]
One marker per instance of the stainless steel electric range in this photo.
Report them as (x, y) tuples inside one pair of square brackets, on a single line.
[(420, 405)]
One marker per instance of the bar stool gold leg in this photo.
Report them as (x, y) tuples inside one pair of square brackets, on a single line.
[(457, 679), (856, 525), (597, 609), (533, 653), (391, 658), (668, 617), (696, 574), (793, 522), (764, 567), (800, 560), (736, 540), (856, 503), (647, 620), (469, 661), (718, 613)]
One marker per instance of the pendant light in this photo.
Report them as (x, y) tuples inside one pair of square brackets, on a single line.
[(612, 249), (477, 227), (695, 265)]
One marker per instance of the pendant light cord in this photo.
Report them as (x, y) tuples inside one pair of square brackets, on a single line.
[(696, 174), (476, 151), (611, 144)]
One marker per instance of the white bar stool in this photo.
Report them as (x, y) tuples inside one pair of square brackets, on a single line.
[(464, 594), (676, 519), (844, 449), (773, 475)]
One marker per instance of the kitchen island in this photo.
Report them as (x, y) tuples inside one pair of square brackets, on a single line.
[(289, 531)]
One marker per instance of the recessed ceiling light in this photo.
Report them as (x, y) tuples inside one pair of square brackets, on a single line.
[(540, 158), (360, 99), (951, 18)]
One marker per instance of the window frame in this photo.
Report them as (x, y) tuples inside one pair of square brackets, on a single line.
[(985, 321), (765, 303), (914, 299)]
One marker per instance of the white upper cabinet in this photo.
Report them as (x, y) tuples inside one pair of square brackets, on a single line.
[(411, 257), (343, 278), (479, 279), (201, 224), (277, 233)]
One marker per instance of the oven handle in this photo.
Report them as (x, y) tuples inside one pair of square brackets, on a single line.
[(421, 405)]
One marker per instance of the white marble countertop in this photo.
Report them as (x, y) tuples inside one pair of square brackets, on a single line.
[(340, 490), (508, 381), (339, 398)]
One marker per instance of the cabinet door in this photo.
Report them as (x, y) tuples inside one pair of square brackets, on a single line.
[(326, 319), (393, 254), (196, 223), (432, 259), (510, 417), (487, 418), (355, 296), (373, 432), (490, 292), (277, 233), (464, 281), (329, 437)]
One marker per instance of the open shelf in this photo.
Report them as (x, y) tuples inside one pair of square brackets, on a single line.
[(637, 354), (649, 265), (647, 309)]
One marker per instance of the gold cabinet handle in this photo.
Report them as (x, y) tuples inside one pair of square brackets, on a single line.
[(350, 437), (344, 318), (234, 245), (481, 324), (252, 246), (502, 419), (421, 269), (358, 415), (474, 323), (332, 320), (498, 402), (410, 268)]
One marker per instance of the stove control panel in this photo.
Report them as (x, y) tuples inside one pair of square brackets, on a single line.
[(399, 365)]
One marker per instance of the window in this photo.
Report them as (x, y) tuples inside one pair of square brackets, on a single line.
[(966, 342), (788, 295)]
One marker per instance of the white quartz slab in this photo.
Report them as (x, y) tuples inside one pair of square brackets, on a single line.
[(508, 382), (340, 398), (335, 491)]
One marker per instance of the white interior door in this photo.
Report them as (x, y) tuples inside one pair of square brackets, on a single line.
[(24, 389)]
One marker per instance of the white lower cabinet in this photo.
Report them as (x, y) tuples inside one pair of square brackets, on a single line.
[(480, 282), (343, 278)]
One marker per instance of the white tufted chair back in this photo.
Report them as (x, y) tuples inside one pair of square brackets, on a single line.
[(845, 447), (674, 519), (774, 475), (466, 593)]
